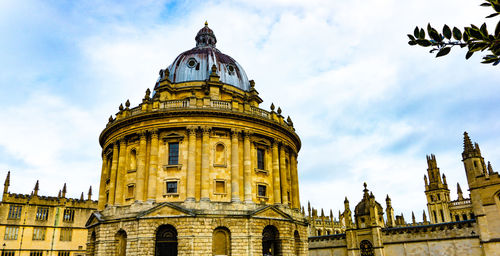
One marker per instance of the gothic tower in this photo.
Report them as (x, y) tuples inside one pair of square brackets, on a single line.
[(437, 193), (198, 168), (484, 187)]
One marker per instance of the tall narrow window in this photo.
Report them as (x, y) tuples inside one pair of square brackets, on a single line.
[(66, 234), (68, 215), (260, 159), (42, 213), (435, 216), (133, 160), (11, 233), (15, 212), (8, 253), (121, 243), (442, 215), (39, 233), (173, 153)]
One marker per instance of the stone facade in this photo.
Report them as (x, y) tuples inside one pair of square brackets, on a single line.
[(198, 168), (461, 227), (35, 225)]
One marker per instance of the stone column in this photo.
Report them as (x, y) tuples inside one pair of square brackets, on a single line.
[(112, 178), (235, 167), (102, 184), (122, 171), (191, 167), (283, 170), (247, 172), (295, 181), (205, 154), (276, 173), (153, 165), (141, 167)]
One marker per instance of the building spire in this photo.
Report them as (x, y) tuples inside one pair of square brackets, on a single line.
[(37, 187), (7, 183), (424, 216), (490, 169), (413, 218), (467, 143), (81, 197), (90, 194), (64, 190), (459, 192)]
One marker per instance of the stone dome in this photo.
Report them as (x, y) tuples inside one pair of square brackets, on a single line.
[(363, 207), (196, 64)]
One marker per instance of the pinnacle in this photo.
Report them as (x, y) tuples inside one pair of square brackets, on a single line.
[(467, 143)]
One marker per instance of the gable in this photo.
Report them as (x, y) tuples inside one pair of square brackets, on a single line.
[(165, 210), (271, 213)]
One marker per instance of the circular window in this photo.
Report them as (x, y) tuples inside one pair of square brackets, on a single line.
[(231, 69), (192, 63)]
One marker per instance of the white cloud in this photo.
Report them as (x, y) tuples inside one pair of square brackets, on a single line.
[(367, 106)]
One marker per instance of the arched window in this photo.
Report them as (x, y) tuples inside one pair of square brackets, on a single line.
[(296, 238), (366, 248), (133, 160), (220, 155), (221, 241), (270, 241), (121, 243), (166, 241)]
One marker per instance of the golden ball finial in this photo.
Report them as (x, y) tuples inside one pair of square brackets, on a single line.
[(206, 23)]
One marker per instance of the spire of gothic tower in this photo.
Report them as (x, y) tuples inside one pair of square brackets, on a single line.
[(467, 143), (64, 190), (36, 188), (90, 194), (459, 192), (7, 183)]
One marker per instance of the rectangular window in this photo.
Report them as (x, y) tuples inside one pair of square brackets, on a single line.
[(39, 233), (457, 218), (464, 216), (220, 187), (260, 159), (66, 234), (262, 190), (36, 253), (8, 253), (173, 153), (42, 213), (171, 187), (442, 215), (11, 233), (62, 253), (15, 212), (130, 191), (68, 215)]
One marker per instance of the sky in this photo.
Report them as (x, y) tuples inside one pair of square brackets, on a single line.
[(367, 106)]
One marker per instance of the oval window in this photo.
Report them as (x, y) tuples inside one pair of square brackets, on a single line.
[(231, 69), (192, 63)]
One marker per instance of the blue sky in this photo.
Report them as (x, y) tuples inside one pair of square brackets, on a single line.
[(368, 107)]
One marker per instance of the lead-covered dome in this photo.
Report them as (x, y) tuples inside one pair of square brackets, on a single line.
[(196, 64)]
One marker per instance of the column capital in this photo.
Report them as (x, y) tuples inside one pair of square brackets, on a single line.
[(191, 129), (206, 129), (247, 133), (235, 131), (154, 133), (121, 140), (142, 134)]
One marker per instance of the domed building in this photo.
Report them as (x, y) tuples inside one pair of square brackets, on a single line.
[(198, 168)]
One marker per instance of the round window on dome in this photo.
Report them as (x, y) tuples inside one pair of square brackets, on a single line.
[(192, 63), (231, 69)]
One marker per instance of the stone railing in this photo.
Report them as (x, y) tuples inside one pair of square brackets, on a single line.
[(460, 202), (197, 104)]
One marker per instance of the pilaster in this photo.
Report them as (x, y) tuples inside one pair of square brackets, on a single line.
[(191, 168), (205, 154), (235, 173), (141, 167), (276, 173), (102, 184), (153, 165), (121, 171), (283, 170), (112, 178), (247, 179), (295, 181)]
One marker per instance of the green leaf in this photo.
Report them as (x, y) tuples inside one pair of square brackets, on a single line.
[(411, 37), (421, 34), (485, 4), (457, 34), (492, 15), (423, 42), (416, 32), (447, 32), (497, 30), (468, 55), (433, 34), (475, 33), (484, 31), (443, 51), (496, 6), (412, 42), (466, 36)]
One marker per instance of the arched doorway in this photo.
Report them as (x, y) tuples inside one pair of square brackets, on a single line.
[(166, 241), (221, 242), (91, 244), (270, 241), (366, 248), (121, 243)]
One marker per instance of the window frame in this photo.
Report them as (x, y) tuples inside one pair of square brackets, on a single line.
[(15, 212), (165, 191), (170, 162), (224, 186), (39, 233), (266, 196), (42, 213), (12, 235)]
